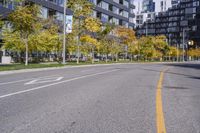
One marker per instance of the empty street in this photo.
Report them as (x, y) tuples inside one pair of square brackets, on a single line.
[(118, 98)]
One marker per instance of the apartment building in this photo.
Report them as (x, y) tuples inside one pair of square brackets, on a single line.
[(119, 12), (148, 6), (179, 21), (146, 10)]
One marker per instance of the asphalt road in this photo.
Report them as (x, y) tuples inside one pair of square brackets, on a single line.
[(102, 99)]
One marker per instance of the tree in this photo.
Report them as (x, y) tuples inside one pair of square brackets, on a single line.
[(194, 53), (116, 48), (12, 41), (125, 34), (128, 38), (105, 47), (47, 40), (91, 44), (72, 44), (161, 45), (133, 49), (81, 10), (105, 39), (92, 26), (24, 20), (172, 52), (147, 49)]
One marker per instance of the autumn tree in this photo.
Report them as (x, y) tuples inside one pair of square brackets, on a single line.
[(81, 9), (47, 40), (128, 38), (23, 20), (160, 45), (116, 48), (90, 43), (12, 41), (92, 26), (72, 44), (172, 52), (147, 49), (194, 53), (106, 39)]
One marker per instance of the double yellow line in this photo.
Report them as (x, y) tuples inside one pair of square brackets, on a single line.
[(160, 121)]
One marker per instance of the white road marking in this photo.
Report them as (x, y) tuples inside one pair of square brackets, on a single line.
[(44, 86), (44, 80), (18, 81)]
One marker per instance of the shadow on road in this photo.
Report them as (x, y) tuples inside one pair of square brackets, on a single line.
[(186, 65), (176, 87)]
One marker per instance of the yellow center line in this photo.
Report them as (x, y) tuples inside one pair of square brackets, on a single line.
[(160, 121)]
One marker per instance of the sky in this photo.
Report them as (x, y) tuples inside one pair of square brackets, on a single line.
[(141, 0)]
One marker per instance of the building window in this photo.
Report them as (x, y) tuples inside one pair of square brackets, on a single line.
[(104, 18), (103, 5), (115, 10), (44, 13), (59, 16), (93, 1)]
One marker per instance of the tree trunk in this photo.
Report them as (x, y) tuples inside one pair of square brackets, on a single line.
[(112, 57), (78, 58), (106, 58), (92, 55), (131, 57), (26, 54), (116, 57)]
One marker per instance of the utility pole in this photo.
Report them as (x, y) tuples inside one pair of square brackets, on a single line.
[(78, 48), (146, 27), (184, 41), (183, 44), (177, 52), (64, 32)]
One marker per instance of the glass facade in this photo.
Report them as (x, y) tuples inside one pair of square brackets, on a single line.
[(115, 11)]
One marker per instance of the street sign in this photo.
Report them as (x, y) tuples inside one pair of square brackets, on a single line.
[(69, 22)]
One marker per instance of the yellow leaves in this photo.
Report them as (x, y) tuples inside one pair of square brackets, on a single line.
[(126, 34), (88, 39), (80, 7), (194, 52), (173, 51), (92, 24), (89, 44), (12, 41), (24, 18)]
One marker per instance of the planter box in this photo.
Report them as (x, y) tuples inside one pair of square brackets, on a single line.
[(6, 59)]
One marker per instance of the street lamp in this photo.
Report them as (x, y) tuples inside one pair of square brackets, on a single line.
[(184, 30), (64, 32), (147, 27), (177, 52)]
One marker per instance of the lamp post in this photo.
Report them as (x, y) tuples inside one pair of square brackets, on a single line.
[(64, 32), (177, 52), (184, 29), (78, 48), (147, 27)]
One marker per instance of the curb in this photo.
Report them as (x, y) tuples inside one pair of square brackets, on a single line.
[(52, 68), (79, 66)]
